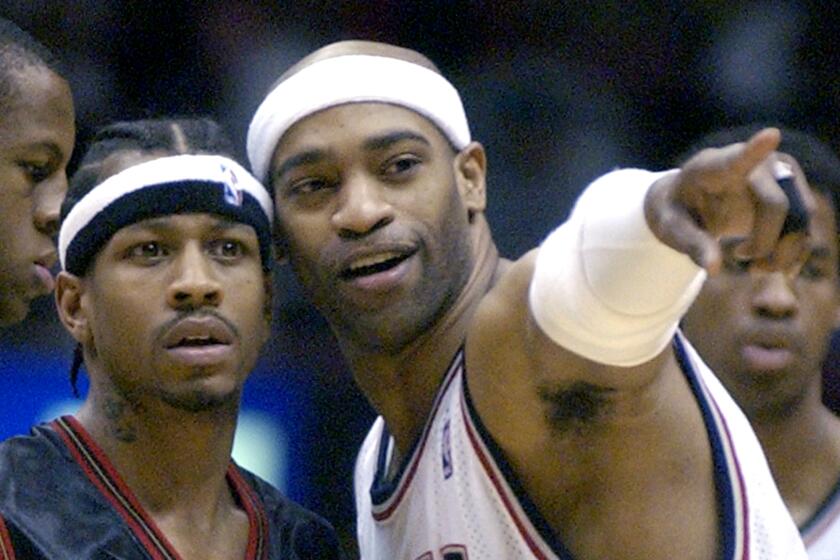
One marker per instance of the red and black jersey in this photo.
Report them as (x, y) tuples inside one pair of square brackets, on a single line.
[(61, 498)]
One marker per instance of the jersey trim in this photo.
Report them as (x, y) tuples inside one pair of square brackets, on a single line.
[(7, 551), (532, 526), (104, 476), (386, 495), (537, 533), (729, 478), (826, 515), (257, 521)]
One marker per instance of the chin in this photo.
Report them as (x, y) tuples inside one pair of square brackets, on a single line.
[(203, 400), (12, 312)]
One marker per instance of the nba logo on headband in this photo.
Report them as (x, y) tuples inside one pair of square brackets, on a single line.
[(233, 194)]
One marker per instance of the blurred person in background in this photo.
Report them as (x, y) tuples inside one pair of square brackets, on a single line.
[(165, 246), (542, 408), (37, 133), (766, 333)]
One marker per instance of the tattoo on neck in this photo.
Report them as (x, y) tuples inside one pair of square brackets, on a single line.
[(116, 411)]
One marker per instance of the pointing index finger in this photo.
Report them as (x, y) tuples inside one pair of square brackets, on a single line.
[(755, 150)]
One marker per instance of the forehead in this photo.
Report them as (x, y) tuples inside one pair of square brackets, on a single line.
[(40, 111), (354, 124)]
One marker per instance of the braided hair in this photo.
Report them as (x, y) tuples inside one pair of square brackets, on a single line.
[(173, 136)]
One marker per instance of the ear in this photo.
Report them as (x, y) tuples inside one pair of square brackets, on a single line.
[(470, 176), (69, 290)]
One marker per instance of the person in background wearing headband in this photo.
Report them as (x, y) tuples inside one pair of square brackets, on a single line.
[(540, 408), (166, 256), (37, 132), (766, 333)]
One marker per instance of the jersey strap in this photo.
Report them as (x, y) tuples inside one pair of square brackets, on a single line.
[(7, 552), (826, 516), (386, 496), (104, 476), (729, 477)]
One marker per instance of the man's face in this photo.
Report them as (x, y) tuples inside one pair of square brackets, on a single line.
[(37, 132), (373, 220), (177, 311), (766, 334)]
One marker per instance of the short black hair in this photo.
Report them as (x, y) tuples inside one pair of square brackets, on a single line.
[(189, 135), (817, 159), (18, 51)]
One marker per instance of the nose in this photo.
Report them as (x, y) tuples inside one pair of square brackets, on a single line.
[(45, 214), (774, 295), (195, 284), (362, 208)]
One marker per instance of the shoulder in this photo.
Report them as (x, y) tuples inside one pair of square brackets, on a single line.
[(300, 533), (37, 457)]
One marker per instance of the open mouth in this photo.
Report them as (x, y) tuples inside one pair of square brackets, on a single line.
[(196, 342), (373, 264)]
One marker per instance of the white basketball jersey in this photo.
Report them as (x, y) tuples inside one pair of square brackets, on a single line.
[(822, 532), (456, 498)]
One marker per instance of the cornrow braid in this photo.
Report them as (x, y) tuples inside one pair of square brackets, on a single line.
[(173, 136), (18, 51)]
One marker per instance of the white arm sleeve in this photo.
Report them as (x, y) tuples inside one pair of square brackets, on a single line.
[(604, 286)]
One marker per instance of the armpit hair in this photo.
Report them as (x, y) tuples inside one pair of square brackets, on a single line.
[(577, 405)]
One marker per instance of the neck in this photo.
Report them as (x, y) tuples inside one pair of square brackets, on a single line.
[(803, 450), (174, 461), (401, 386)]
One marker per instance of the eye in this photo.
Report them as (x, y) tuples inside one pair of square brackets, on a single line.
[(307, 185), (147, 251), (401, 165), (227, 249), (814, 270), (735, 265), (36, 172)]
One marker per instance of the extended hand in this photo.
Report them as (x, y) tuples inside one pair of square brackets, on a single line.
[(731, 191)]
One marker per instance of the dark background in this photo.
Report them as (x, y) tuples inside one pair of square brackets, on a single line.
[(559, 92)]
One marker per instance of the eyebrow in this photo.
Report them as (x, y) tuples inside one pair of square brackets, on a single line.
[(820, 252), (390, 138), (54, 151), (375, 143), (306, 157)]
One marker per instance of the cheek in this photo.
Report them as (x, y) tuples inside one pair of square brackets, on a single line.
[(120, 323), (15, 228)]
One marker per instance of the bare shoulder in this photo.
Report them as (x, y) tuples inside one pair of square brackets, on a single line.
[(529, 390), (513, 370)]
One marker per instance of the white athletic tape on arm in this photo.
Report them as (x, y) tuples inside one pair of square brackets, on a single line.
[(354, 79), (604, 286)]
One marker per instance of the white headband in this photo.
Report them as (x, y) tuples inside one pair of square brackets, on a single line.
[(189, 168), (354, 79)]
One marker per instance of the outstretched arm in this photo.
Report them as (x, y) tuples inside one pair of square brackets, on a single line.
[(612, 283), (599, 301)]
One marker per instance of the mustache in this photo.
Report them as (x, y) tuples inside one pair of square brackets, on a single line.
[(196, 314)]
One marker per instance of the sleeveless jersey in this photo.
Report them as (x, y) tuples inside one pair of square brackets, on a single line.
[(821, 533), (61, 498), (456, 497)]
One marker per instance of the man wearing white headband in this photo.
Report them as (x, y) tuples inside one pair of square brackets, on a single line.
[(537, 408), (166, 254)]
